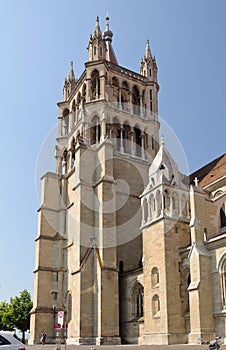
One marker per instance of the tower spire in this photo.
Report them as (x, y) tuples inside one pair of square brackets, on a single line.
[(71, 75), (107, 35), (147, 50), (97, 32), (97, 46), (148, 66)]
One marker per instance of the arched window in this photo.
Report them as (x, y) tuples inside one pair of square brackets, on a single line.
[(175, 200), (72, 152), (126, 138), (145, 210), (223, 281), (78, 99), (137, 133), (138, 300), (95, 130), (223, 215), (84, 93), (166, 201), (154, 277), (125, 96), (115, 133), (64, 163), (184, 206), (95, 85), (136, 100), (65, 122), (155, 306)]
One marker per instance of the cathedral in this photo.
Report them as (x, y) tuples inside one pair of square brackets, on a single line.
[(129, 250)]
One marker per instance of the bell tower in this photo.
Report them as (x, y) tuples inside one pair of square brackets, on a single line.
[(108, 133)]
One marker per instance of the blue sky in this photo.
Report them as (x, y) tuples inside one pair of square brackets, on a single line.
[(39, 38)]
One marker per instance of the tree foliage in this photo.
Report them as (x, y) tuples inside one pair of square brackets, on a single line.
[(16, 313)]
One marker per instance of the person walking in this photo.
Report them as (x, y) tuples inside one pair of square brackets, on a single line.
[(43, 337)]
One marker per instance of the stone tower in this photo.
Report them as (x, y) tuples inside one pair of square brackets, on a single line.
[(165, 227), (89, 218)]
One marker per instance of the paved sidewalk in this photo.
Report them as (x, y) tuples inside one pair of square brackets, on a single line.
[(121, 347)]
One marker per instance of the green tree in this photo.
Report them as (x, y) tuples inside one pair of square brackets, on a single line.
[(16, 313), (5, 323)]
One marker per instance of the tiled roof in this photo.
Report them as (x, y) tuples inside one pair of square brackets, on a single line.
[(211, 172), (110, 55)]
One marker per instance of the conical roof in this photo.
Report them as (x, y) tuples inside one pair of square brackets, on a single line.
[(164, 161)]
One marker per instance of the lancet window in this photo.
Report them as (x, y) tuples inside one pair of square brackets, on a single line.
[(65, 125), (72, 152), (116, 92), (223, 281), (64, 163), (95, 130), (125, 96), (137, 133), (155, 306), (95, 85), (136, 100), (73, 112), (138, 300), (223, 215), (154, 277), (84, 93)]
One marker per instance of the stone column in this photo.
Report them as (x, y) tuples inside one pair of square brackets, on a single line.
[(162, 203), (103, 130), (88, 85), (97, 88), (141, 106), (102, 86), (121, 140), (120, 98), (97, 131), (132, 141), (171, 205), (143, 213), (142, 146), (149, 210), (70, 121), (130, 102)]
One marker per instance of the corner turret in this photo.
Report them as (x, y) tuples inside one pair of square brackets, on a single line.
[(97, 45), (148, 66), (69, 82)]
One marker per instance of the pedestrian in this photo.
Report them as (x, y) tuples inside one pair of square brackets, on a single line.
[(43, 338)]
